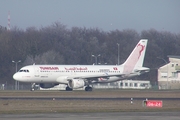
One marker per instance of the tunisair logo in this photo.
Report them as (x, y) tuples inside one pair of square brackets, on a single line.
[(49, 68), (115, 68), (142, 48)]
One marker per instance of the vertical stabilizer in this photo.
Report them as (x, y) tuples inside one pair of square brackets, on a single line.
[(136, 58)]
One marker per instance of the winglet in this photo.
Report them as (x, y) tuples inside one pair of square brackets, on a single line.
[(136, 58)]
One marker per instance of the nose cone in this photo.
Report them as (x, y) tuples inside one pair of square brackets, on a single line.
[(16, 76)]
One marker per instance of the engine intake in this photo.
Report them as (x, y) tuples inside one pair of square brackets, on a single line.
[(76, 83)]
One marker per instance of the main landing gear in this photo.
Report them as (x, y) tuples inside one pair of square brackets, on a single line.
[(88, 88), (68, 88)]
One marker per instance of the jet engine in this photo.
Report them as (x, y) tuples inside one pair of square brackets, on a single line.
[(47, 85), (76, 83)]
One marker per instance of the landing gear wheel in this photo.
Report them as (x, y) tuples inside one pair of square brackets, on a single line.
[(88, 88), (68, 88), (32, 89)]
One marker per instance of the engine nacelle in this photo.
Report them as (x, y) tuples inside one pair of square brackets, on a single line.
[(47, 85), (76, 83)]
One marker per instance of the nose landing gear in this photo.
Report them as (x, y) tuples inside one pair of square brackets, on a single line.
[(34, 86)]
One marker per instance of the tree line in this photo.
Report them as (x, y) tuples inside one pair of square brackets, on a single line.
[(56, 44)]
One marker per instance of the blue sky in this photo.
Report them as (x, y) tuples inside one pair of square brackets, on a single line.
[(107, 15)]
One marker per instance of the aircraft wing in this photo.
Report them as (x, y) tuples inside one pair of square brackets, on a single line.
[(104, 75), (107, 75)]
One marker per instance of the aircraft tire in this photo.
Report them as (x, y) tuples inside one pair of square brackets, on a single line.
[(88, 88), (68, 89), (32, 89)]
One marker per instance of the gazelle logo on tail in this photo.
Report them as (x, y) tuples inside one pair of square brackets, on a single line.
[(136, 58), (141, 49)]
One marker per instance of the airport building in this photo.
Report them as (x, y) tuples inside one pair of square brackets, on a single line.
[(169, 74), (126, 84)]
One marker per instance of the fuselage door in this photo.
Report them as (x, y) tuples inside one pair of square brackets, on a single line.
[(36, 72)]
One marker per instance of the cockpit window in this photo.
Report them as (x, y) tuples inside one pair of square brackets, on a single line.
[(23, 70)]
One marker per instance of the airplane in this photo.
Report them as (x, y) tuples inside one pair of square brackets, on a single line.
[(79, 76)]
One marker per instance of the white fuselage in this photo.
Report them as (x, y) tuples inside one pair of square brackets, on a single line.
[(61, 73)]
